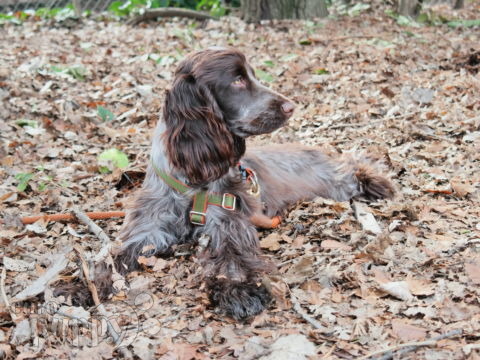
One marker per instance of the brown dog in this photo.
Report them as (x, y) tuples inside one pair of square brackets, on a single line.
[(202, 183)]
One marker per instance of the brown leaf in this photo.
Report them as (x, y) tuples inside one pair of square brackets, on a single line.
[(185, 351), (271, 242), (461, 189), (299, 241), (407, 332), (420, 287), (334, 244), (300, 271), (473, 272), (387, 92)]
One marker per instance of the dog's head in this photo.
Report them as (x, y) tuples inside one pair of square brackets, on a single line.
[(215, 103)]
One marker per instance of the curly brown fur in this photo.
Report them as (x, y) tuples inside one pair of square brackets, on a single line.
[(214, 104)]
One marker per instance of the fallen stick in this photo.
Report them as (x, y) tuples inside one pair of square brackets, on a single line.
[(59, 263), (96, 215), (94, 228), (104, 254), (116, 335), (262, 222), (402, 349), (3, 277), (299, 310), (170, 12)]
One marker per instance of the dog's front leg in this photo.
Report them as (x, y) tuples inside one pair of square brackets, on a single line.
[(157, 220), (232, 264)]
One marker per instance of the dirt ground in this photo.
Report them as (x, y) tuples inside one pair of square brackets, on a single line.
[(342, 291)]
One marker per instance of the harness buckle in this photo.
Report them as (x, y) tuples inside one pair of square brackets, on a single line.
[(201, 220), (225, 199)]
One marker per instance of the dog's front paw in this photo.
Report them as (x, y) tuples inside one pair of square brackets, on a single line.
[(239, 300), (374, 185)]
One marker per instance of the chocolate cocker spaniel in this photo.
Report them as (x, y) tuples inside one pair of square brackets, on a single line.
[(202, 184)]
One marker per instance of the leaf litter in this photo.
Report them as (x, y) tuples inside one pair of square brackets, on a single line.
[(397, 271)]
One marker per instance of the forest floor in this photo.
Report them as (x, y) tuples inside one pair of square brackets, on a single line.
[(409, 94)]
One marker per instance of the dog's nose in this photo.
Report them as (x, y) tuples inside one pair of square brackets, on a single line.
[(287, 108)]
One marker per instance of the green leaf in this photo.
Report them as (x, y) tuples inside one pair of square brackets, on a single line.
[(464, 23), (26, 122), (269, 63), (77, 72), (305, 42), (42, 186), (113, 158), (321, 71), (263, 75), (288, 57), (406, 21), (105, 114), (23, 179), (357, 9)]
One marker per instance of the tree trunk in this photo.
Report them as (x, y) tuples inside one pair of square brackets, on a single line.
[(408, 7), (459, 4), (256, 10)]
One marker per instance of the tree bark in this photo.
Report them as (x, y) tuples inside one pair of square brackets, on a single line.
[(459, 4), (408, 7), (256, 10)]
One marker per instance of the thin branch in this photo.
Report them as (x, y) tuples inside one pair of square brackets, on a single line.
[(116, 335), (59, 263), (408, 347), (104, 255), (3, 277), (299, 310), (96, 215), (94, 228), (169, 12)]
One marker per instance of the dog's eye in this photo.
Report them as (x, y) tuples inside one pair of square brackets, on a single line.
[(239, 82)]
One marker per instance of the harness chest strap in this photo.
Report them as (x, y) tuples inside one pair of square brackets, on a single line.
[(201, 200)]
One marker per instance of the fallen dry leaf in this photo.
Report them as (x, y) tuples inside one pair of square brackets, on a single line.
[(271, 242), (407, 332), (473, 272), (398, 289), (334, 244), (421, 287)]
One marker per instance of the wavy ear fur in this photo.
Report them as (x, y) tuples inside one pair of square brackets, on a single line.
[(197, 139)]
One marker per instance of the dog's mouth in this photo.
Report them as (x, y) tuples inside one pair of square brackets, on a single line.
[(261, 125)]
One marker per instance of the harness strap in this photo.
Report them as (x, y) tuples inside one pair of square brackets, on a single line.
[(201, 200)]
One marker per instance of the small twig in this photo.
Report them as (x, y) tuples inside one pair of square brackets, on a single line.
[(326, 254), (3, 277), (105, 252), (59, 263), (330, 352), (99, 306), (84, 322), (408, 347), (97, 215), (94, 228), (352, 125), (299, 310), (340, 38), (170, 12)]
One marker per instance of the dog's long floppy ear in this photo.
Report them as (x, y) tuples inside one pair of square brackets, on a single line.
[(197, 139)]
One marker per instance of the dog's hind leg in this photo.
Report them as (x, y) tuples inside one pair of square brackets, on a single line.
[(288, 174)]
